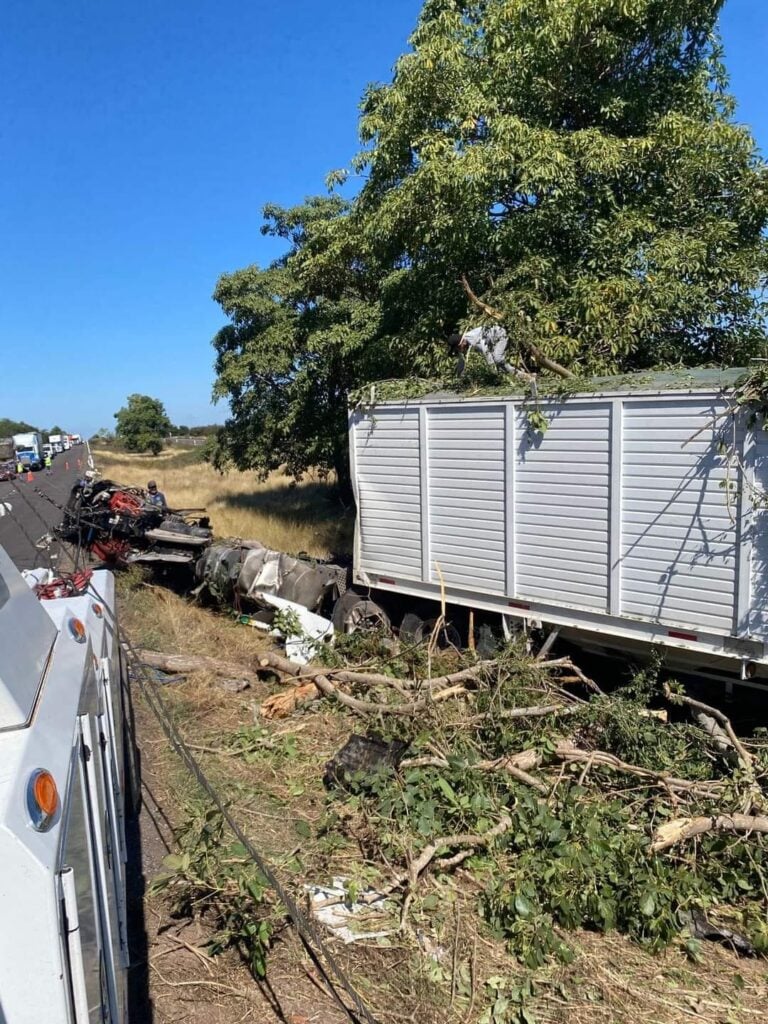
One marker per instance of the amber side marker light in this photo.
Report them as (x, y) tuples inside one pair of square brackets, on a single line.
[(77, 630), (98, 611), (42, 799)]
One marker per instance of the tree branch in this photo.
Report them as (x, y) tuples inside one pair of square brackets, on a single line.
[(680, 829)]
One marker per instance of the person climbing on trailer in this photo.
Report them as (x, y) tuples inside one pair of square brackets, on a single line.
[(490, 341)]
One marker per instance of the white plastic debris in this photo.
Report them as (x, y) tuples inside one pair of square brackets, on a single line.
[(349, 920), (302, 645)]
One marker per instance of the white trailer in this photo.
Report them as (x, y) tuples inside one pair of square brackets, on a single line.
[(63, 939), (635, 519)]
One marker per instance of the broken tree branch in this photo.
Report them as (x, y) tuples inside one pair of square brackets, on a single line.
[(681, 829), (513, 765), (709, 789), (544, 361), (681, 698), (577, 673)]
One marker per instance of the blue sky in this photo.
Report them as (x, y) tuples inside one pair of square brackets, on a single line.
[(138, 143)]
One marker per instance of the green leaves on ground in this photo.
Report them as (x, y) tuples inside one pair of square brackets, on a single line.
[(580, 857), (215, 877)]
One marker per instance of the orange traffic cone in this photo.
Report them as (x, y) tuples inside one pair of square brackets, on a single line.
[(30, 477), (66, 465), (79, 464)]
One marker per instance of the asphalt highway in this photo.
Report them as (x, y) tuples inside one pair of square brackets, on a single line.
[(26, 515)]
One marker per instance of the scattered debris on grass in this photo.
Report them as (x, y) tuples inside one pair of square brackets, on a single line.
[(519, 823)]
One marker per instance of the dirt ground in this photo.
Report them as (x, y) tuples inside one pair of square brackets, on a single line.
[(450, 969)]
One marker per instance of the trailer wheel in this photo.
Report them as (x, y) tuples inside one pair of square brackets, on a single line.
[(447, 635), (415, 630), (354, 613), (411, 628)]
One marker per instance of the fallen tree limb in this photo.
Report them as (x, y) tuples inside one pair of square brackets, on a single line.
[(577, 673), (417, 867), (753, 798), (280, 705), (566, 752), (186, 663), (681, 829), (681, 698), (536, 711), (275, 661), (377, 679), (514, 765)]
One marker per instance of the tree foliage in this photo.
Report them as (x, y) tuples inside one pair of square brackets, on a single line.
[(578, 164), (142, 424), (292, 352), (9, 427)]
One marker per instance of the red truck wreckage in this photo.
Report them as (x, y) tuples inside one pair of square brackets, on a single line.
[(118, 526)]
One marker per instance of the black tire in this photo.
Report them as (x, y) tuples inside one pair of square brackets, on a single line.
[(411, 628), (448, 635), (353, 612)]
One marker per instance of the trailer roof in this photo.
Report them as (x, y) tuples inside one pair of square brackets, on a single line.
[(707, 379)]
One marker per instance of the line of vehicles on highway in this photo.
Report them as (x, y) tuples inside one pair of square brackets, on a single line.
[(29, 451)]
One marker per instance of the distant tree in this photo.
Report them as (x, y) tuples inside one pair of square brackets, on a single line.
[(9, 427), (206, 430), (104, 435), (142, 424)]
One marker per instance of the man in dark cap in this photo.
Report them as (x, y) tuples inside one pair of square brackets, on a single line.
[(155, 497)]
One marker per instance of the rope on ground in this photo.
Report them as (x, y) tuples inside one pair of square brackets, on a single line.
[(313, 941)]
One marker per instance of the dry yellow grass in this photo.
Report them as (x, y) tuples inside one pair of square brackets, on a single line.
[(279, 513)]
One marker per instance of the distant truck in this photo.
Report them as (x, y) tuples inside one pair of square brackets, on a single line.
[(74, 439), (56, 441), (29, 450), (637, 518), (7, 449)]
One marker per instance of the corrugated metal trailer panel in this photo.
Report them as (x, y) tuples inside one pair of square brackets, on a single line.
[(624, 516)]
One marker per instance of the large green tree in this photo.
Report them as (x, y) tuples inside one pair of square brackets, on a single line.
[(571, 168), (578, 164), (142, 424)]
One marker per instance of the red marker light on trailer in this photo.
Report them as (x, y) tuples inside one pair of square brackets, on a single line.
[(678, 635)]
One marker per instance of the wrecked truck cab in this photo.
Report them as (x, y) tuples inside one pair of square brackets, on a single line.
[(118, 526)]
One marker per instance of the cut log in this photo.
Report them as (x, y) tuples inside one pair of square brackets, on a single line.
[(186, 663)]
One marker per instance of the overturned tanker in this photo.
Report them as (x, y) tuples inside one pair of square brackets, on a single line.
[(246, 574), (119, 526)]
